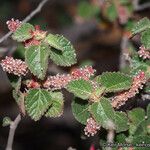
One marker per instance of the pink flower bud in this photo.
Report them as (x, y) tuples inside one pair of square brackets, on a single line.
[(13, 25)]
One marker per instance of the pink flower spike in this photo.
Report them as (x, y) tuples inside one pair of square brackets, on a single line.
[(137, 84), (13, 25), (91, 127), (83, 73), (14, 66)]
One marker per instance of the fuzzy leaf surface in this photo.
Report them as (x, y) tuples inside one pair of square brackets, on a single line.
[(103, 112), (23, 33), (67, 57), (145, 39), (80, 110), (121, 121), (36, 58), (56, 109), (58, 42), (37, 102), (114, 81), (80, 88), (141, 25)]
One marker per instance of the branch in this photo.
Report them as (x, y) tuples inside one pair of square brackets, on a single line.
[(29, 17), (138, 7), (110, 135), (13, 127)]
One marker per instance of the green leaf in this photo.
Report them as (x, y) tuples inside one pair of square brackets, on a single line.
[(148, 111), (121, 122), (103, 112), (137, 121), (56, 109), (80, 110), (87, 10), (37, 102), (114, 81), (136, 115), (121, 138), (23, 33), (67, 57), (58, 42), (80, 88), (139, 140), (6, 121), (36, 58), (141, 26), (145, 39), (112, 12)]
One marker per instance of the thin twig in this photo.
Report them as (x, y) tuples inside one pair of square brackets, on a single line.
[(13, 127), (138, 7), (29, 17), (110, 135)]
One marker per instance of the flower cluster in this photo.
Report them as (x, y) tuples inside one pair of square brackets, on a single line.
[(13, 25), (37, 35), (83, 73), (91, 127), (144, 53), (57, 82), (32, 84), (137, 84), (123, 14), (14, 66), (60, 81)]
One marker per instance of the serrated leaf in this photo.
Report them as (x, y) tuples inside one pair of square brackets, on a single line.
[(103, 112), (145, 39), (67, 57), (141, 25), (121, 122), (80, 88), (57, 41), (6, 121), (136, 115), (56, 109), (114, 81), (80, 110), (23, 33), (36, 58), (37, 102)]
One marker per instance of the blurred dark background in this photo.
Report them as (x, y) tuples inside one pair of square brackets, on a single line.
[(96, 43)]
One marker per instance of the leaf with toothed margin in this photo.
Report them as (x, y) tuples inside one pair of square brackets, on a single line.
[(103, 112), (141, 26), (114, 81), (62, 52), (23, 32), (80, 110), (58, 42), (121, 121), (56, 109), (145, 39), (80, 88), (36, 58), (37, 102)]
